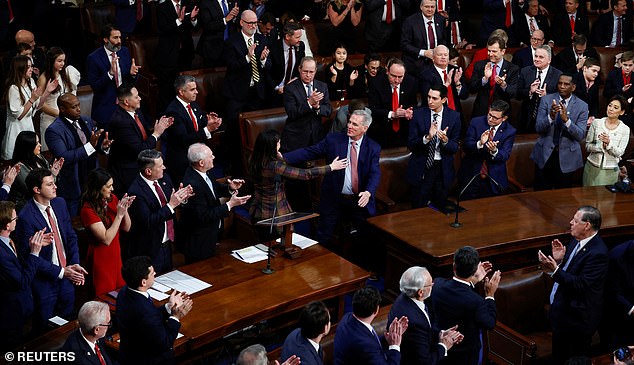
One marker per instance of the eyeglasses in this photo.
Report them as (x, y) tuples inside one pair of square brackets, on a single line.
[(250, 23), (493, 117), (105, 325), (14, 219), (428, 285)]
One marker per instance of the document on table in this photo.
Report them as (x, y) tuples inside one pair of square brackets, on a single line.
[(157, 294), (182, 282), (249, 254), (300, 241)]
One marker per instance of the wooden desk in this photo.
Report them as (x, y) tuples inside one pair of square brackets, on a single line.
[(506, 230)]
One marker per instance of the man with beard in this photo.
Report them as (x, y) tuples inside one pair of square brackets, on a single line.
[(106, 69)]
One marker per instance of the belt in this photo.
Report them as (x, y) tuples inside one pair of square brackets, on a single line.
[(349, 196), (166, 244)]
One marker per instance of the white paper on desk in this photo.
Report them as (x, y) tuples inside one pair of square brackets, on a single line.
[(249, 255), (58, 320), (300, 241), (157, 294), (182, 282), (160, 287)]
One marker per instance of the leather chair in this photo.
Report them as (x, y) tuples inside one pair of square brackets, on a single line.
[(210, 82), (392, 194), (253, 123)]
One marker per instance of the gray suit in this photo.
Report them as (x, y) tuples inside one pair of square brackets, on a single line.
[(570, 158)]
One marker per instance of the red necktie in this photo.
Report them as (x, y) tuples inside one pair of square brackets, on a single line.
[(396, 123), (572, 24), (140, 125), (626, 78), (57, 239), (430, 33), (440, 8), (289, 66), (10, 11), (484, 169), (388, 12), (139, 10), (354, 174), (98, 352), (492, 82), (508, 20), (450, 100), (163, 200), (192, 117), (454, 34)]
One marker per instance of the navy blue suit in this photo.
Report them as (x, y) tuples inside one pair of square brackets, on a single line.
[(575, 312), (614, 85), (148, 218), (147, 334), (125, 15), (63, 141), (523, 57), (620, 293), (4, 195), (603, 28), (16, 306), (456, 303), (420, 342), (104, 88), (84, 354), (52, 296), (122, 161), (296, 344), (474, 157), (336, 144), (356, 345), (417, 174)]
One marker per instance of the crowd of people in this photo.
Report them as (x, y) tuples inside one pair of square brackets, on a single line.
[(143, 188)]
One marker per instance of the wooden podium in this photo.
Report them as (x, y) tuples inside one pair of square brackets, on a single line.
[(286, 222)]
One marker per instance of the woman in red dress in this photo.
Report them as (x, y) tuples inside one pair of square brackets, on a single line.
[(104, 215)]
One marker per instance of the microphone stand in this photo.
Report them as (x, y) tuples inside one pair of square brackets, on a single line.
[(456, 223), (267, 270)]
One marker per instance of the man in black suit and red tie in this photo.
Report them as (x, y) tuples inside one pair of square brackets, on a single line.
[(614, 28), (566, 24), (421, 33), (191, 125), (392, 97), (134, 133), (94, 321)]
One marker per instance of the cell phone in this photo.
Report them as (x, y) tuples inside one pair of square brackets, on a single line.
[(612, 188), (623, 353)]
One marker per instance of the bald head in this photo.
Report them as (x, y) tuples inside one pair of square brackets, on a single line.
[(24, 36), (440, 56), (248, 22)]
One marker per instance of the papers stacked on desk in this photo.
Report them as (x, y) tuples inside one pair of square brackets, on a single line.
[(250, 254), (300, 241), (176, 280)]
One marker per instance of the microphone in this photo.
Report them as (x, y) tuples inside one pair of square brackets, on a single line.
[(456, 223), (267, 269)]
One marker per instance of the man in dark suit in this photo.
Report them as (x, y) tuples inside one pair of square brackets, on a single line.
[(422, 343), (38, 57), (52, 287), (392, 97), (528, 22), (191, 125), (133, 133), (8, 177), (306, 102), (455, 302), (383, 22), (571, 59), (561, 125), (433, 139), (587, 87), (497, 15), (152, 213), (356, 342), (536, 81), (94, 322), (202, 218), (127, 13), (175, 50), (75, 139), (487, 147), (524, 56), (348, 192), (256, 354), (422, 33), (620, 295), (216, 18), (579, 271), (314, 324), (619, 80), (147, 332), (16, 275), (107, 68), (440, 72), (493, 78), (567, 18), (285, 56), (614, 28)]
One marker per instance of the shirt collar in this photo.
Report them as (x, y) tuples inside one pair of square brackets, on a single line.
[(358, 142), (585, 241), (41, 207), (463, 282)]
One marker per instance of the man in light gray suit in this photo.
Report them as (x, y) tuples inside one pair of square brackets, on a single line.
[(561, 125)]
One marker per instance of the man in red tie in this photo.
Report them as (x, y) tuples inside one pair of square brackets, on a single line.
[(422, 32), (191, 125), (94, 321)]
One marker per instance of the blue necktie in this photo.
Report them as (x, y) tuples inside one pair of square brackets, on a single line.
[(564, 268), (225, 11)]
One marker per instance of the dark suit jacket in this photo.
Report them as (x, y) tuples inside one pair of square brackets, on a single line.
[(104, 88), (473, 159), (380, 102), (336, 144), (147, 334), (122, 161), (420, 342), (620, 288), (455, 303), (202, 216), (355, 344), (303, 125), (148, 218), (377, 29), (418, 129), (591, 96), (125, 15), (494, 17), (414, 37), (520, 31), (278, 66), (561, 32), (527, 76), (4, 195), (566, 59), (239, 74), (603, 28), (481, 104), (523, 57), (578, 301), (430, 77), (174, 41), (84, 354), (614, 85), (211, 18), (296, 344), (181, 135)]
